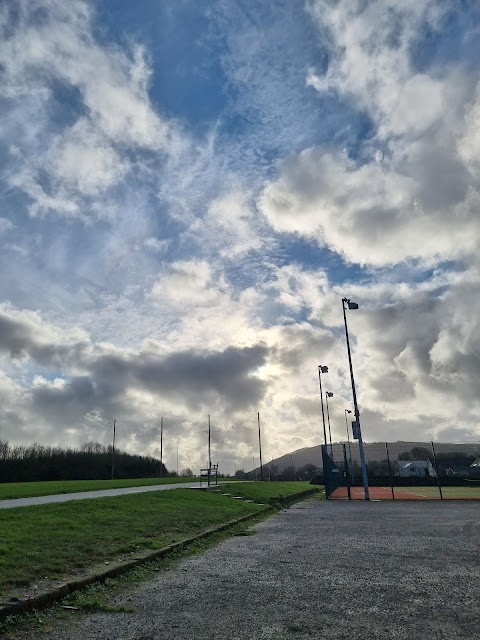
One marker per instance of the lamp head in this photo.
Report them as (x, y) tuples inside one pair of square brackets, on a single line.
[(322, 369), (347, 411), (350, 304), (329, 394)]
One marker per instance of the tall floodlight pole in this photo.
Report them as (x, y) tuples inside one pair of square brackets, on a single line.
[(354, 305), (161, 446), (113, 448), (322, 369), (209, 447), (329, 394), (260, 448)]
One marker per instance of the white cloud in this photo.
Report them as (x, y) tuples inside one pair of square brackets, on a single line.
[(230, 221), (189, 283), (413, 192), (47, 44), (370, 60), (370, 213), (83, 160), (55, 41)]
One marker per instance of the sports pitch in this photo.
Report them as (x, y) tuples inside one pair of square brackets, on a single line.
[(409, 493)]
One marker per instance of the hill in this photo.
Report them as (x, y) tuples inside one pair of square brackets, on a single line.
[(373, 451)]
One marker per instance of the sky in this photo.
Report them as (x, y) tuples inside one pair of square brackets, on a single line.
[(188, 188)]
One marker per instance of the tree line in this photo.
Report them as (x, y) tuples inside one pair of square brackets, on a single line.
[(273, 472), (92, 461)]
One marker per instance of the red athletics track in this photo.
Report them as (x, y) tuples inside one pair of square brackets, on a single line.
[(378, 493)]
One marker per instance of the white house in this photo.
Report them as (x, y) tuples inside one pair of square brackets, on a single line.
[(414, 469)]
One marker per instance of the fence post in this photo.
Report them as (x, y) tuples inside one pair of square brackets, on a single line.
[(390, 471), (323, 446), (346, 472), (438, 473)]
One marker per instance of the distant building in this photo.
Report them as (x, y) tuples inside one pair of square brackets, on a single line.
[(474, 470), (414, 469), (458, 471)]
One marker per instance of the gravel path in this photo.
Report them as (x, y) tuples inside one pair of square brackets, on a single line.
[(84, 495), (318, 570)]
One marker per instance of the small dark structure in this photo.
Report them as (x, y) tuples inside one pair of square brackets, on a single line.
[(210, 473)]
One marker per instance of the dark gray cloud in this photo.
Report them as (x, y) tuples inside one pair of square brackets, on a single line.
[(195, 376), (84, 386), (23, 335), (67, 404)]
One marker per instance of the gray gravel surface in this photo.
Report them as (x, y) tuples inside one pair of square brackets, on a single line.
[(319, 570), (84, 495)]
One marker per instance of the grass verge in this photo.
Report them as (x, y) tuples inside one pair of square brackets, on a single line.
[(40, 544), (11, 490), (272, 493), (102, 596)]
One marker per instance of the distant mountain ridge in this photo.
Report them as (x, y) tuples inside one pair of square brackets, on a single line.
[(373, 451)]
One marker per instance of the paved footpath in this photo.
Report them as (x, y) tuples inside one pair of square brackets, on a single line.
[(323, 570), (83, 495)]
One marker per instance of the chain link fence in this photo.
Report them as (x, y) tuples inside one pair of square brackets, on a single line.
[(402, 471)]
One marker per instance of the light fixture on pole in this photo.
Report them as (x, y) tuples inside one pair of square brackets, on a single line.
[(329, 394), (322, 369), (348, 440), (347, 303)]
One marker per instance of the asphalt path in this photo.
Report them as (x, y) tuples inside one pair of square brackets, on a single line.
[(84, 495), (336, 570)]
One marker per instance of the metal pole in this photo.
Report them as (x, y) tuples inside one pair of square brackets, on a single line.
[(329, 429), (209, 451), (349, 447), (113, 449), (209, 444), (326, 477), (390, 471), (323, 412), (161, 446), (357, 412), (438, 472), (260, 448), (347, 480), (177, 457)]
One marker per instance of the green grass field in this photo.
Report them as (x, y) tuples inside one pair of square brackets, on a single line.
[(12, 490), (56, 540), (269, 492), (451, 493)]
